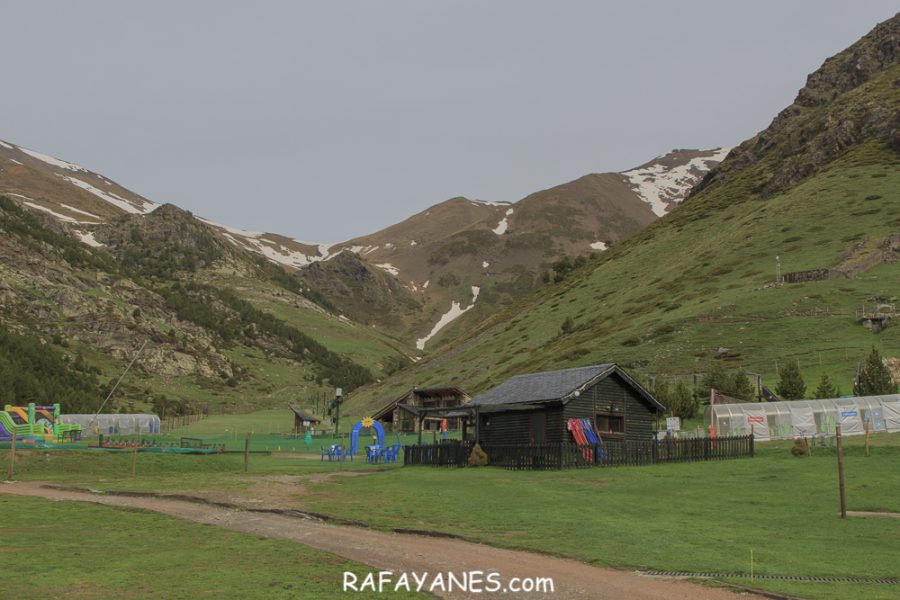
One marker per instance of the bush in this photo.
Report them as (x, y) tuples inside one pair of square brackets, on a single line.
[(800, 447), (478, 458)]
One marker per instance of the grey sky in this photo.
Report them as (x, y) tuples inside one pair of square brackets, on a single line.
[(326, 120)]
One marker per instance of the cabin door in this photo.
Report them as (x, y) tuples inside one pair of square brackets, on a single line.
[(538, 428)]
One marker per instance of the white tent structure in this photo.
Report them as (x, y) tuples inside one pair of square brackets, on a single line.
[(118, 424), (805, 418)]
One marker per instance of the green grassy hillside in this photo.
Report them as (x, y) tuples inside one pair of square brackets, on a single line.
[(692, 293)]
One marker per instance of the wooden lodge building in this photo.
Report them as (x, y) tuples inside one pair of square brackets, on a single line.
[(303, 420), (400, 415), (534, 409)]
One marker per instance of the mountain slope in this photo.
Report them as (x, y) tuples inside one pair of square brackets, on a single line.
[(223, 325), (429, 264), (442, 253), (694, 291)]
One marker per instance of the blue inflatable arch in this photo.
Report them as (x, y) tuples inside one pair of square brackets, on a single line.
[(354, 435)]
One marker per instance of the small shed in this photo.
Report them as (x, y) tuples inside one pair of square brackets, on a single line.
[(534, 409), (394, 417), (303, 420)]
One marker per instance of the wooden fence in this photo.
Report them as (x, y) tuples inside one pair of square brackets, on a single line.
[(567, 456)]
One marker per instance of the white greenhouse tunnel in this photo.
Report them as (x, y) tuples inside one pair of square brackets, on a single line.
[(115, 424), (806, 418)]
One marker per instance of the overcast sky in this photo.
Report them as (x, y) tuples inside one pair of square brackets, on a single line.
[(327, 120)]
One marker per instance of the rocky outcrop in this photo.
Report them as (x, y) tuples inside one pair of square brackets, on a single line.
[(851, 98)]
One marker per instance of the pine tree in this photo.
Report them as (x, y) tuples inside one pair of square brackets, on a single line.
[(874, 378), (736, 384), (790, 383), (741, 387), (682, 402), (826, 389)]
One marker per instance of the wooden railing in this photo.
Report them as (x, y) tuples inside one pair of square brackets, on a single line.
[(567, 456)]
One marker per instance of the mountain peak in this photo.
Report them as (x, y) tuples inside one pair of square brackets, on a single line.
[(859, 63), (850, 99)]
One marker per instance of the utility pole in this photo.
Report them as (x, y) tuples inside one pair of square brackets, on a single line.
[(840, 456), (338, 398)]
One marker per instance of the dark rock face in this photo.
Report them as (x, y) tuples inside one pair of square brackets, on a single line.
[(859, 63), (367, 294), (164, 243), (850, 99)]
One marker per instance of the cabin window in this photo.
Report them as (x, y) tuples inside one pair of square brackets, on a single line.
[(611, 424)]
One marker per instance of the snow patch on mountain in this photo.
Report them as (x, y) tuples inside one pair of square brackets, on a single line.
[(663, 187), (425, 285), (62, 218), (489, 203), (5, 145), (12, 160), (412, 242), (278, 254), (114, 199), (503, 225), (455, 312), (389, 268), (273, 251), (485, 264), (87, 237), (79, 211), (53, 161), (239, 232), (599, 246)]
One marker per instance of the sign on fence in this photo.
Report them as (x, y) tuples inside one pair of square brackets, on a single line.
[(755, 419)]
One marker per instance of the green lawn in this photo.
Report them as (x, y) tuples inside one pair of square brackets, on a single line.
[(259, 422), (81, 550), (103, 470), (691, 517)]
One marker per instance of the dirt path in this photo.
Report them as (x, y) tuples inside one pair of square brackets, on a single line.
[(879, 515), (402, 552)]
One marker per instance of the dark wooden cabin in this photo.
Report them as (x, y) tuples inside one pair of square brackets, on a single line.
[(304, 420), (534, 409), (394, 418)]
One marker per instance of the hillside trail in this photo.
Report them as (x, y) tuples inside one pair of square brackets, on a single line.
[(402, 552)]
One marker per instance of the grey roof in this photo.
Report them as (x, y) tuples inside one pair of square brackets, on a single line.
[(306, 416), (522, 391), (541, 387)]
